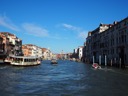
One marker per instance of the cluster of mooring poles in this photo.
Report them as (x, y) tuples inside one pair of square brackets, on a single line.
[(115, 61)]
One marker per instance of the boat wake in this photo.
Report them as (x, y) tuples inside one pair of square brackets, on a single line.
[(106, 69), (114, 71), (3, 67)]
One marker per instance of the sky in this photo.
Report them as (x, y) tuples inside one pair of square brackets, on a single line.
[(58, 24)]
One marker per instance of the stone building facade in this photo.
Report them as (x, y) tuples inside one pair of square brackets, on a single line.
[(108, 44)]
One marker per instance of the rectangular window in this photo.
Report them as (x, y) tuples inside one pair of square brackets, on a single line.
[(117, 40), (116, 50), (113, 41), (125, 39), (113, 51), (122, 37), (119, 26), (125, 57), (125, 22)]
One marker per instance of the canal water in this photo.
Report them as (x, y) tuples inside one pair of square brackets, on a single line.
[(68, 78)]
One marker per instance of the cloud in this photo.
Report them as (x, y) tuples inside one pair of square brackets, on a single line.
[(80, 32), (71, 27), (29, 28), (6, 22), (83, 35), (35, 30)]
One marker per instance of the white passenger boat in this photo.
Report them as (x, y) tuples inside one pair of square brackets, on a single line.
[(8, 60), (24, 60)]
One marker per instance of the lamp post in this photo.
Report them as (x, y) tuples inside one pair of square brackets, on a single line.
[(120, 62), (105, 60), (100, 60), (93, 59)]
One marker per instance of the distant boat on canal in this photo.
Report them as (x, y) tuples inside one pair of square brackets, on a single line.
[(54, 61), (23, 60)]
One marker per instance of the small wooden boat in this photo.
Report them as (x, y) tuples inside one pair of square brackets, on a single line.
[(54, 61)]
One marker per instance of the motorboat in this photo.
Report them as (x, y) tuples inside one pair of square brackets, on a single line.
[(96, 66), (54, 61)]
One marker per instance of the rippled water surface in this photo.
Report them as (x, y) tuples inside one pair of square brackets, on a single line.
[(65, 79)]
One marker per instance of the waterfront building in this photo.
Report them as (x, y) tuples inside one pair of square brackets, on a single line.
[(54, 56), (93, 42), (80, 52), (32, 50), (39, 52), (58, 56), (64, 56), (46, 54), (25, 50), (5, 43), (75, 53), (2, 55), (69, 55), (12, 45), (108, 44), (1, 45), (84, 53)]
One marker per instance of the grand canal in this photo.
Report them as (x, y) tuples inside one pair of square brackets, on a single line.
[(65, 79)]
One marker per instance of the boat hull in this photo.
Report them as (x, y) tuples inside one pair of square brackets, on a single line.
[(25, 64)]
